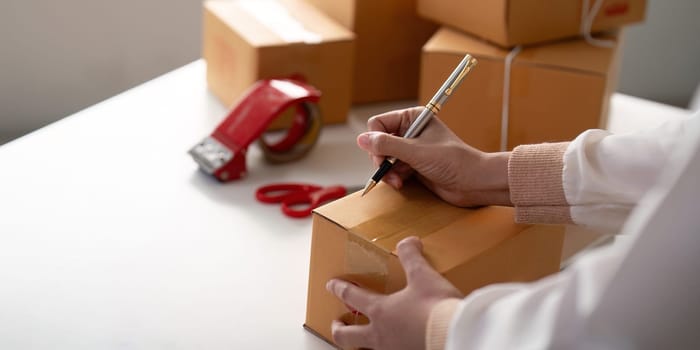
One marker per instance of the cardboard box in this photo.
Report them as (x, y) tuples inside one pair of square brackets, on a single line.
[(557, 91), (509, 22), (578, 239), (355, 238), (388, 40), (245, 41)]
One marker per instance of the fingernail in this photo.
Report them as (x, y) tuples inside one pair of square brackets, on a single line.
[(417, 241), (411, 240), (328, 285), (363, 140)]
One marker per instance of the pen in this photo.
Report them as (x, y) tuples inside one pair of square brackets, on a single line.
[(431, 108)]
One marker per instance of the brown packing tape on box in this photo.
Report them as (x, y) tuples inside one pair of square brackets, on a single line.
[(245, 41), (509, 22), (355, 238), (389, 36), (556, 91)]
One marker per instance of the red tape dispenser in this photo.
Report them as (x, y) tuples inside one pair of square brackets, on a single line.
[(222, 154)]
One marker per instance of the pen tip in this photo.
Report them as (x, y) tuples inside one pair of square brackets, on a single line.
[(370, 185)]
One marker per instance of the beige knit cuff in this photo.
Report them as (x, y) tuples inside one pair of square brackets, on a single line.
[(535, 178), (439, 323)]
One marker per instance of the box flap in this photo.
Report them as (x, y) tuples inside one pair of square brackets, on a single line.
[(276, 22), (449, 40), (572, 54), (450, 234)]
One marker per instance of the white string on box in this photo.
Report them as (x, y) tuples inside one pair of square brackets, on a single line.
[(505, 106), (587, 18)]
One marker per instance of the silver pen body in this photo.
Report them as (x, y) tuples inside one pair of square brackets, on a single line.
[(440, 98)]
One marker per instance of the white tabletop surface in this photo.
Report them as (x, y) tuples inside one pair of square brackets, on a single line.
[(111, 239)]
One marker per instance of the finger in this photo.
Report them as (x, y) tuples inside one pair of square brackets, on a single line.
[(351, 337), (398, 174), (403, 170), (410, 252), (353, 296), (364, 142), (385, 145), (377, 160), (394, 180), (395, 121)]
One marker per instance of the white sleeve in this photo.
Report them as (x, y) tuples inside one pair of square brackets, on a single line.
[(537, 315), (606, 174), (637, 293)]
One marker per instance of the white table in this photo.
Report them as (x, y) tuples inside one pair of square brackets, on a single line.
[(111, 239)]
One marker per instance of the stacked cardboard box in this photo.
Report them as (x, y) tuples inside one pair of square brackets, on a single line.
[(355, 238), (556, 90), (245, 41), (388, 40), (547, 92), (520, 22)]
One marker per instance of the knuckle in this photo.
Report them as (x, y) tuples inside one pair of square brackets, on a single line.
[(374, 124), (416, 268), (410, 113), (379, 141)]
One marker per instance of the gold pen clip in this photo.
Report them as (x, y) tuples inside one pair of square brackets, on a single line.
[(471, 62)]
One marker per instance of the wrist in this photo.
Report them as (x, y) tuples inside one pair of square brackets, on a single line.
[(495, 167), (485, 179), (494, 186)]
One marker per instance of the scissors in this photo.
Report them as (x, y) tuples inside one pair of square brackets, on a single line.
[(299, 199)]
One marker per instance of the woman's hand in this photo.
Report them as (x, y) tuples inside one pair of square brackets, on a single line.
[(399, 320), (458, 173)]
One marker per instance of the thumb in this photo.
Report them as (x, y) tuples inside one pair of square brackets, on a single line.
[(416, 267), (383, 144)]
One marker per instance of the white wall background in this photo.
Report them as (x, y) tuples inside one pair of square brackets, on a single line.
[(661, 58), (58, 57)]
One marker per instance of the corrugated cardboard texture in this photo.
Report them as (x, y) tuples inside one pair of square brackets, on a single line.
[(471, 247), (509, 22), (240, 48), (389, 36), (557, 90)]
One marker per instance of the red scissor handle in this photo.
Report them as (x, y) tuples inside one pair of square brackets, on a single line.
[(301, 204), (278, 193)]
